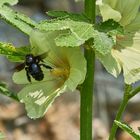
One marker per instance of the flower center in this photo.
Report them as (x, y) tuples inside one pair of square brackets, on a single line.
[(60, 72)]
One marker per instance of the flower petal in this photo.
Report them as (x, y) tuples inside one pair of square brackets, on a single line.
[(128, 10), (129, 58), (111, 64), (38, 97), (134, 25), (122, 11), (108, 12), (21, 77)]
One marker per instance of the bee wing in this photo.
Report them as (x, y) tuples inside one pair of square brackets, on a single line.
[(20, 67), (42, 56)]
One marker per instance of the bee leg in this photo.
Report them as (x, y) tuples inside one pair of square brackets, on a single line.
[(28, 75), (45, 66)]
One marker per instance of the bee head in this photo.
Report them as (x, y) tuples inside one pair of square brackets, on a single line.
[(29, 59)]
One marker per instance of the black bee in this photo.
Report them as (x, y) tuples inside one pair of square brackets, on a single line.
[(32, 66)]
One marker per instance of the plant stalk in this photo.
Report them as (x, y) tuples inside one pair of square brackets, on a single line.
[(118, 118), (86, 104), (90, 9), (120, 111), (134, 92), (87, 99)]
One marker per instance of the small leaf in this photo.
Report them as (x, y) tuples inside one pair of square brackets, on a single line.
[(102, 43), (22, 22), (57, 13), (110, 27), (66, 15), (128, 129), (5, 91), (12, 53)]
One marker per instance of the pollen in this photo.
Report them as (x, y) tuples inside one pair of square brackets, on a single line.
[(60, 72)]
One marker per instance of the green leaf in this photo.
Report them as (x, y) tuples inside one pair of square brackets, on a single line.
[(75, 32), (102, 43), (22, 22), (11, 2), (66, 15), (110, 27), (57, 13), (12, 53), (128, 129), (5, 91)]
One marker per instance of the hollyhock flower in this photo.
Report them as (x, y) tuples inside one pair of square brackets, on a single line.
[(125, 54), (68, 71)]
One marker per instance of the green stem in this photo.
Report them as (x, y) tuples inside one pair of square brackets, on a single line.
[(118, 118), (10, 95), (87, 87), (120, 111), (87, 99), (90, 9), (134, 92)]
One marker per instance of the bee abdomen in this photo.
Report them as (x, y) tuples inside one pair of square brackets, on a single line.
[(38, 76)]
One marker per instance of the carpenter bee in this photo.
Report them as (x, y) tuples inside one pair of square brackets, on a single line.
[(32, 65)]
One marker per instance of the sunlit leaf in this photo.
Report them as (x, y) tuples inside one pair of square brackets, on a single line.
[(103, 43), (77, 31), (22, 22)]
